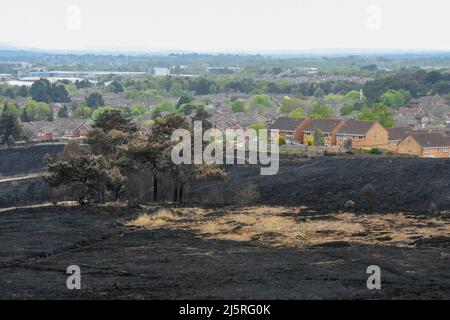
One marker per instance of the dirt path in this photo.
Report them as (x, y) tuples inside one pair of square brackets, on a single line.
[(30, 176)]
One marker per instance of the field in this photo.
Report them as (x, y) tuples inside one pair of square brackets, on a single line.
[(232, 252)]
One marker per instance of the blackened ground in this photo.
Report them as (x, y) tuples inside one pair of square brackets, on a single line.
[(26, 160), (401, 184), (38, 244)]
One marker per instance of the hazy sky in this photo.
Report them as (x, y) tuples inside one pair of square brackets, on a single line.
[(226, 25)]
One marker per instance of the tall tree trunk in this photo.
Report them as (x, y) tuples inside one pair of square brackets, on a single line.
[(155, 188)]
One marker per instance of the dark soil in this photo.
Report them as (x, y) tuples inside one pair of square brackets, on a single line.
[(401, 184), (37, 245)]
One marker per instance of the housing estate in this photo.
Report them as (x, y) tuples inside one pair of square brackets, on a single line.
[(67, 129)]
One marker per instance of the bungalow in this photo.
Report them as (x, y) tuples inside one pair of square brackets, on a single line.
[(289, 128), (363, 134), (425, 145), (329, 128)]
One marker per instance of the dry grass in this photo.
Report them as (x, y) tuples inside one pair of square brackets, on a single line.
[(162, 218), (281, 226)]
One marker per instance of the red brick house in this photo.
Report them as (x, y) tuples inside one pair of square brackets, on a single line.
[(363, 134), (425, 145), (58, 129), (329, 128), (395, 135), (291, 129)]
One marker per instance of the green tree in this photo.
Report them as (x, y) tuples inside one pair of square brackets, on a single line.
[(36, 111), (43, 91), (90, 174), (95, 100), (379, 113), (10, 94), (114, 119), (62, 113), (23, 91), (82, 111), (319, 138), (290, 104), (259, 103), (115, 87), (183, 100), (395, 99), (83, 84), (237, 106), (297, 113), (322, 111), (441, 87), (9, 127), (319, 93), (165, 106), (40, 91), (10, 106)]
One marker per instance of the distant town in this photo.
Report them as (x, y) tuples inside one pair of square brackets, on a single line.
[(361, 105)]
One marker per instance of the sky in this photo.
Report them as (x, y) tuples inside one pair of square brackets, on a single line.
[(225, 25)]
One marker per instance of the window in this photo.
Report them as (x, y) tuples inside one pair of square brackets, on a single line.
[(443, 150), (426, 150)]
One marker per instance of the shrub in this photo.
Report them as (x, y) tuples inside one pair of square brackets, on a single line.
[(348, 144), (369, 194), (375, 151), (319, 139), (281, 140)]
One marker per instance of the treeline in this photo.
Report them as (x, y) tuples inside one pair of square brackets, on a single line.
[(417, 83), (40, 91), (31, 110), (116, 152), (177, 86)]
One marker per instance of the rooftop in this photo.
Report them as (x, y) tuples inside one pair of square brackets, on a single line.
[(398, 133), (324, 125), (431, 140), (286, 124), (356, 127)]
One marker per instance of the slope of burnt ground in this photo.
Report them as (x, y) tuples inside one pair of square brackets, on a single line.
[(122, 254)]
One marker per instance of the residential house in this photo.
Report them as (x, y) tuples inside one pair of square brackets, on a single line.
[(414, 117), (425, 145), (395, 135), (363, 134), (329, 128), (58, 129), (289, 128)]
